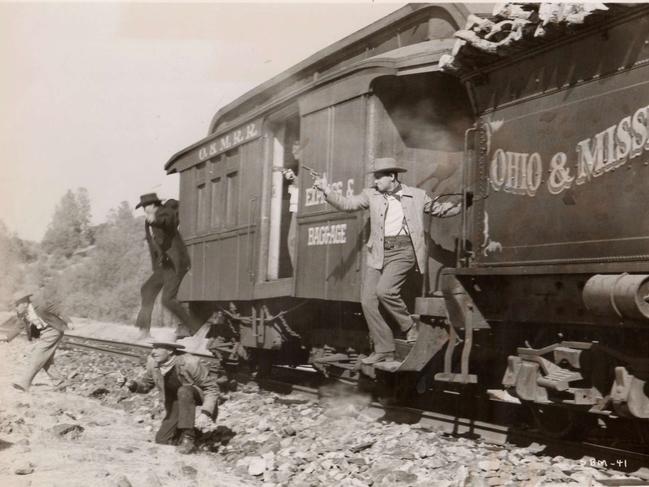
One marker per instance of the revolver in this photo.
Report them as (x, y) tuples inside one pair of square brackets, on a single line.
[(314, 174)]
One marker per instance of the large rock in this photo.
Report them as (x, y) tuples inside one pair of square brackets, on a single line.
[(69, 431), (257, 466), (489, 465), (23, 467), (292, 400), (122, 481), (399, 477), (188, 471)]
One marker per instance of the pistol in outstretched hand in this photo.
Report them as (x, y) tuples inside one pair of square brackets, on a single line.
[(314, 174), (281, 169)]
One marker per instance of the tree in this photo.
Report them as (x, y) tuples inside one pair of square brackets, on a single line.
[(10, 263), (105, 285), (84, 216), (69, 229)]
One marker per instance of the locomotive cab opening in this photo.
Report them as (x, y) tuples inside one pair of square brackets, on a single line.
[(284, 154), (421, 120)]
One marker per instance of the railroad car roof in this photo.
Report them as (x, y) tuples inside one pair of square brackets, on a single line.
[(308, 74), (517, 28)]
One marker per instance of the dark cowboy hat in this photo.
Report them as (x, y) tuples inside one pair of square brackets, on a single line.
[(166, 339), (148, 199), (386, 164)]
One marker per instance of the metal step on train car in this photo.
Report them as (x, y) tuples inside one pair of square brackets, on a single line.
[(538, 116)]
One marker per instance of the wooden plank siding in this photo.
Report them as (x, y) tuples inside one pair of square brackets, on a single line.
[(334, 139), (219, 223)]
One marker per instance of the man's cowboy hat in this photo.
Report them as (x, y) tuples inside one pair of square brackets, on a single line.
[(166, 338), (21, 297), (386, 164), (148, 199)]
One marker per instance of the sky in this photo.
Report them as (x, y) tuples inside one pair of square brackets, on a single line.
[(101, 95)]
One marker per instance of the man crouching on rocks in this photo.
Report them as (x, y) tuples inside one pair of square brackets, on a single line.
[(183, 381)]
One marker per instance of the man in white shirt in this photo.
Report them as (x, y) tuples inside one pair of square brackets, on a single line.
[(43, 322), (397, 244), (294, 197)]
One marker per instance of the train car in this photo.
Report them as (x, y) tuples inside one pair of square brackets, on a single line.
[(556, 255), (377, 93)]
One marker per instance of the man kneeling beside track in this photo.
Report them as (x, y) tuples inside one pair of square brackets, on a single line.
[(183, 381)]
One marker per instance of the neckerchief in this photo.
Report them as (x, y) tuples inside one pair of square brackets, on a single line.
[(168, 365), (394, 193)]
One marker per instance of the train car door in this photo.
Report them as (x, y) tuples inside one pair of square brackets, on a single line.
[(284, 140), (330, 243)]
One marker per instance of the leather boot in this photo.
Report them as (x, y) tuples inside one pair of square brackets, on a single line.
[(186, 445)]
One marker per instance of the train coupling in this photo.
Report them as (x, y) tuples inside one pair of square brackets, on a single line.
[(536, 378)]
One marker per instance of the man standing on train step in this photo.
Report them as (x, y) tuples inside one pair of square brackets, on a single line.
[(396, 245), (169, 259)]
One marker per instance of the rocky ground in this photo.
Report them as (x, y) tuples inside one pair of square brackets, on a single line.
[(89, 432)]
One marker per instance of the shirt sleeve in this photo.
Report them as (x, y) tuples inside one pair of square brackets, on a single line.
[(348, 203), (145, 382), (208, 384)]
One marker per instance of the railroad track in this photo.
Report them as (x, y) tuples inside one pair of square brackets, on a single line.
[(291, 379)]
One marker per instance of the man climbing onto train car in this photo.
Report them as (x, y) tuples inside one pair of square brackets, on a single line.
[(170, 262), (183, 382), (42, 322), (396, 245)]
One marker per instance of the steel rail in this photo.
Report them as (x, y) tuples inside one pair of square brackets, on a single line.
[(448, 424)]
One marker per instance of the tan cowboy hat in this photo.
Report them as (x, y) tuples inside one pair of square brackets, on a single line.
[(21, 297), (166, 338), (386, 164)]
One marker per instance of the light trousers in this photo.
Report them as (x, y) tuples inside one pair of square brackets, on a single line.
[(42, 356), (382, 289)]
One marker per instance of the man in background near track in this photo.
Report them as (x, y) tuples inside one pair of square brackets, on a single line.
[(396, 245), (183, 382), (170, 262), (42, 322)]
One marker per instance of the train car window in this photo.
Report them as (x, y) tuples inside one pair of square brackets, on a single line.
[(201, 214), (217, 207), (200, 223), (231, 198)]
